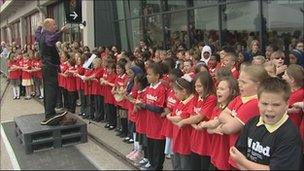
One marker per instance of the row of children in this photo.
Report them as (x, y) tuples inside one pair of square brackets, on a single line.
[(197, 121), (25, 70)]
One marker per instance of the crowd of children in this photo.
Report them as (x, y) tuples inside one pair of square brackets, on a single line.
[(25, 73), (198, 107)]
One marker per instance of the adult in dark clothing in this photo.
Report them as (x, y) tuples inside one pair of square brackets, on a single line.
[(47, 36)]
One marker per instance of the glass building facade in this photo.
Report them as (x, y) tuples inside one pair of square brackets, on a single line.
[(167, 23)]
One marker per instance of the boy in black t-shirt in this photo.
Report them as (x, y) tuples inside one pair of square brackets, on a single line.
[(271, 140)]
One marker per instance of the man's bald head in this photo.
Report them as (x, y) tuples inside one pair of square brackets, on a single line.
[(50, 24)]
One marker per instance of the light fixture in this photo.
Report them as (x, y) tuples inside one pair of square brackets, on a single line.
[(82, 25)]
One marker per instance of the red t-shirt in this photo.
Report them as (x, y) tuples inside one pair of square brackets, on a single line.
[(61, 79), (87, 88), (243, 112), (28, 64), (235, 73), (167, 129), (200, 140), (79, 81), (16, 73), (96, 87), (141, 122), (110, 77), (37, 64), (155, 96), (132, 116), (71, 80), (296, 96), (219, 150), (181, 136), (121, 83)]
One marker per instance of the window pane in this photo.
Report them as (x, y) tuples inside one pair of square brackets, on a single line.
[(136, 31), (176, 4), (151, 6), (176, 29), (205, 27), (135, 8), (120, 9), (203, 2), (154, 31), (123, 35), (239, 21), (284, 22)]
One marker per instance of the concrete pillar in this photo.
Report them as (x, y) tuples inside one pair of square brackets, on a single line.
[(9, 32), (22, 31), (88, 16)]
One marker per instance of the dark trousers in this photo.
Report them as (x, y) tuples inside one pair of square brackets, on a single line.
[(62, 98), (111, 115), (99, 107), (131, 129), (50, 88), (83, 102), (156, 153), (89, 108), (199, 162), (181, 162), (72, 98)]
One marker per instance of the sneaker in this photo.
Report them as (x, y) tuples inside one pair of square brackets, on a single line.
[(131, 141), (137, 156), (14, 98), (168, 156), (53, 120), (143, 162), (40, 97), (107, 125), (111, 127), (126, 139), (18, 97), (130, 154), (146, 166)]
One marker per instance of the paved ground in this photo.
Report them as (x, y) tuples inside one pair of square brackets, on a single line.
[(106, 151), (101, 158)]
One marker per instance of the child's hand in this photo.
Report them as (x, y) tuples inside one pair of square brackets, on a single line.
[(298, 105), (164, 114), (179, 124), (236, 155)]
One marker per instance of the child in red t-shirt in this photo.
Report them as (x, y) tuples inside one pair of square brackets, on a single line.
[(27, 81), (200, 139), (244, 107), (226, 91), (182, 110), (14, 74), (154, 105), (141, 82), (294, 75), (62, 99), (71, 85), (229, 61), (108, 81), (79, 82), (37, 76), (171, 101), (118, 91)]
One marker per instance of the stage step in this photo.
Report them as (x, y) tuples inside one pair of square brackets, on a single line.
[(36, 137)]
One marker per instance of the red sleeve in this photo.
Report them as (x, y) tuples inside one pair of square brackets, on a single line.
[(247, 111), (209, 104), (189, 110), (161, 97)]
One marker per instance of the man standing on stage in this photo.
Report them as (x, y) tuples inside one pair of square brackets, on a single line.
[(47, 35)]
